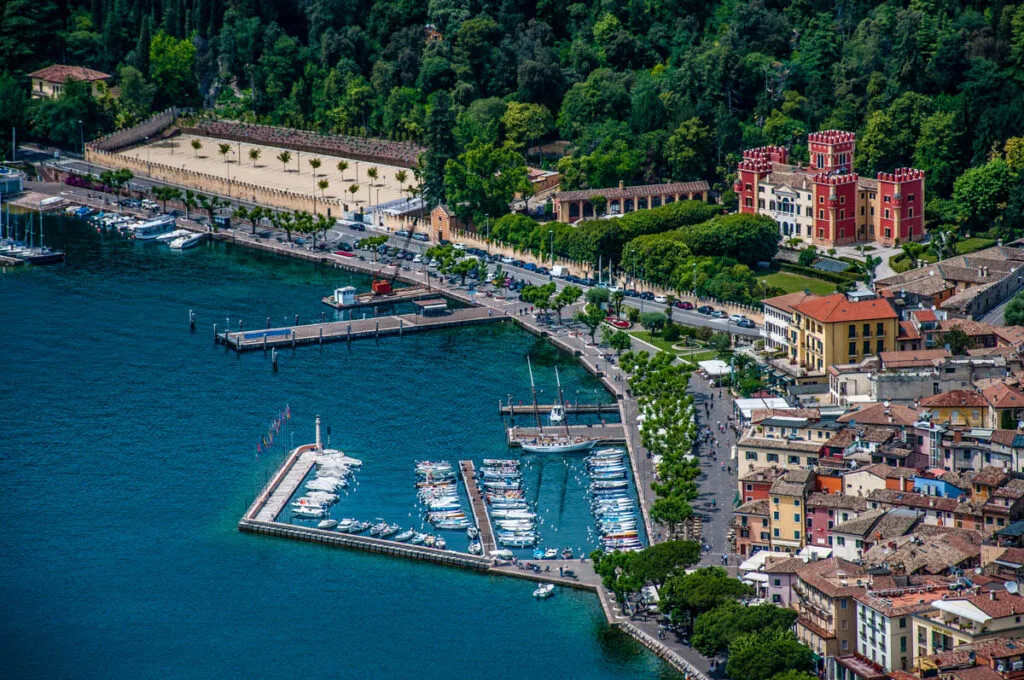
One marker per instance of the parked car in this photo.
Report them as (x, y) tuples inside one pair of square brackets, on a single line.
[(506, 259), (301, 241), (356, 226), (344, 245), (460, 246), (542, 270), (660, 299), (588, 281), (746, 323), (417, 259), (683, 304), (530, 267), (516, 263), (736, 318), (646, 295), (630, 292), (613, 289), (420, 237), (402, 232), (705, 309), (718, 314)]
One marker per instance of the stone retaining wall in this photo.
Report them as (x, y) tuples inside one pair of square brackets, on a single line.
[(150, 127)]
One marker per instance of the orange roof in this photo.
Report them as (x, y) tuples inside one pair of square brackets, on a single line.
[(788, 301), (955, 398), (1002, 395), (836, 308), (925, 315), (908, 331), (58, 73)]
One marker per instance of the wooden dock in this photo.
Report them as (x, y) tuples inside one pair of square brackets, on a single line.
[(355, 329), (611, 433), (573, 409), (363, 300), (476, 501)]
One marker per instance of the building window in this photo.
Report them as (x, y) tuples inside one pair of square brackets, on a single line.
[(773, 458), (821, 216), (775, 515), (842, 604), (796, 517), (749, 187), (886, 213), (821, 199), (775, 532), (903, 643), (842, 216), (910, 211), (867, 347), (886, 199), (840, 540), (880, 328), (796, 501), (760, 189), (760, 203), (750, 487), (910, 197), (778, 582), (842, 200), (852, 331), (867, 330), (845, 645), (751, 455), (796, 535), (853, 349), (903, 622), (794, 460), (880, 346)]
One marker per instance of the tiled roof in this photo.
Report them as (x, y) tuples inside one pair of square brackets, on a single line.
[(758, 507), (989, 475), (825, 576), (914, 599), (1011, 438), (836, 501), (1014, 555), (763, 474), (787, 566), (925, 315), (636, 191), (837, 308), (59, 73), (975, 673), (995, 604), (796, 445), (968, 326), (788, 301), (1002, 395), (955, 398), (1012, 489), (860, 526), (1013, 335), (879, 414), (908, 499), (760, 414), (908, 331)]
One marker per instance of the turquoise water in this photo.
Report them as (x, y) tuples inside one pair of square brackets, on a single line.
[(128, 454)]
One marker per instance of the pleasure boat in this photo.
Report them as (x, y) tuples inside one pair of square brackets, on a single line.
[(418, 538), (559, 445), (544, 591), (327, 524), (472, 532), (475, 548), (551, 553), (440, 543), (346, 525), (390, 530), (172, 235), (149, 230), (186, 242), (405, 536), (380, 526), (503, 554), (308, 512)]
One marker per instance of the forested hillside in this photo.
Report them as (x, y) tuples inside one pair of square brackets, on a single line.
[(645, 90)]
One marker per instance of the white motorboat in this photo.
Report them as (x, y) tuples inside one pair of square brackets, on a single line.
[(149, 230), (475, 548), (327, 524), (186, 242), (472, 532), (559, 445), (544, 591), (405, 535), (308, 512), (172, 235)]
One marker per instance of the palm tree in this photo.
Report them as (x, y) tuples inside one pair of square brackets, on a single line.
[(401, 176), (342, 167), (286, 221), (617, 298), (189, 201), (315, 164), (323, 184), (254, 155), (255, 215), (242, 213), (352, 189), (284, 157), (372, 174), (196, 146), (223, 150)]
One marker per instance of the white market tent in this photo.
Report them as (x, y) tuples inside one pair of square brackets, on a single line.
[(715, 368), (746, 407)]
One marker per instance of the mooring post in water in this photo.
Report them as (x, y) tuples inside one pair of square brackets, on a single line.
[(323, 317), (239, 325), (264, 343), (400, 326), (293, 338), (376, 328), (268, 322), (215, 334), (296, 320), (192, 320), (321, 335), (349, 335), (273, 358)]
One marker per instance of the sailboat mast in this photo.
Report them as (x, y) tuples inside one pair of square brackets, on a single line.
[(533, 389), (561, 402)]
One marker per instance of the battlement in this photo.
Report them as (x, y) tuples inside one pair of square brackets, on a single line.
[(776, 154), (835, 180), (831, 137), (754, 164), (901, 175)]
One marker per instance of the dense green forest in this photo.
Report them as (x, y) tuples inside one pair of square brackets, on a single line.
[(644, 90)]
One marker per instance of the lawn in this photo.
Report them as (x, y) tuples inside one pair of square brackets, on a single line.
[(792, 283), (974, 244), (692, 354), (654, 340)]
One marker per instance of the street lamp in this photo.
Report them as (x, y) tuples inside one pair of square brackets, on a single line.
[(81, 132), (551, 233)]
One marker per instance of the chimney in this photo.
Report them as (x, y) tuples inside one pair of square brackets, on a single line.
[(621, 185), (931, 502), (981, 270), (992, 595)]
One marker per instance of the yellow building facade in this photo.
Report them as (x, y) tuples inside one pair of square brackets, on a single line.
[(837, 330)]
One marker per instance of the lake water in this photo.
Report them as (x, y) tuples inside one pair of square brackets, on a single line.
[(128, 454)]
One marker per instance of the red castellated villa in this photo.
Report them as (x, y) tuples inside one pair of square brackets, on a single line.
[(825, 203)]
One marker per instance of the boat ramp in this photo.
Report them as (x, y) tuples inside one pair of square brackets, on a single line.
[(476, 501), (354, 329), (610, 433)]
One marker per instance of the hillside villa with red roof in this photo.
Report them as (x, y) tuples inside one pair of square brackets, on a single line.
[(49, 82)]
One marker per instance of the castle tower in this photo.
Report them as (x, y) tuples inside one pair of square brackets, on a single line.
[(832, 150), (835, 209), (751, 171), (899, 211)]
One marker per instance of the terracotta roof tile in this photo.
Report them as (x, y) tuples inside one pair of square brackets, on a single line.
[(825, 576), (788, 301), (916, 357), (837, 308), (758, 507), (955, 398), (1002, 395), (59, 73), (990, 475), (996, 604), (879, 414), (635, 191), (908, 499), (836, 501)]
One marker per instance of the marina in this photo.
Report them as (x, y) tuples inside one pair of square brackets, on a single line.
[(506, 409), (609, 433), (476, 502), (355, 329)]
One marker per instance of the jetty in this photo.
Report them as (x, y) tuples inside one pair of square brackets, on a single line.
[(506, 409), (372, 299), (476, 502), (354, 329), (611, 433)]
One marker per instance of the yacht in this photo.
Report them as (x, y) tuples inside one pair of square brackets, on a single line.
[(172, 235), (546, 443), (544, 591), (186, 242), (149, 230)]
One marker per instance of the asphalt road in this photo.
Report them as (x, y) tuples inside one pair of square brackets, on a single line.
[(342, 232)]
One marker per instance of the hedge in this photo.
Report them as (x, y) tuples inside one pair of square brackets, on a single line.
[(817, 273)]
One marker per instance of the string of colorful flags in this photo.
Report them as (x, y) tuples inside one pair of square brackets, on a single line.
[(267, 440)]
